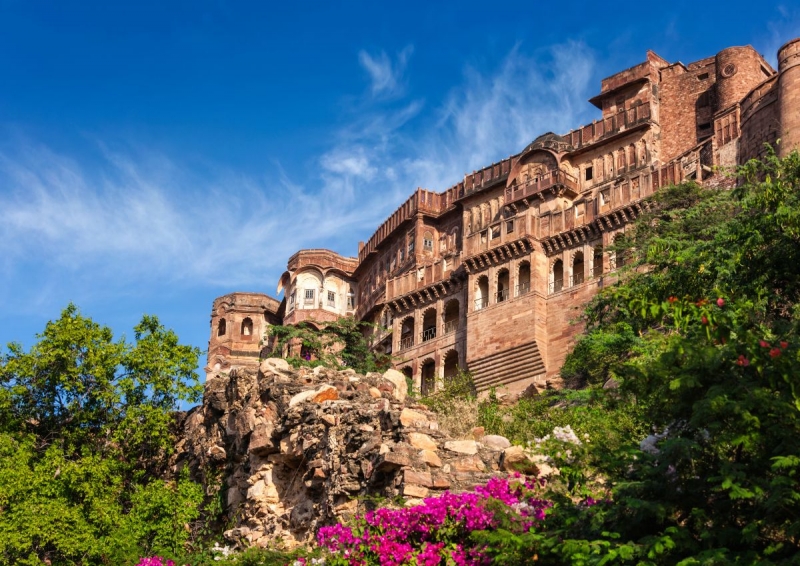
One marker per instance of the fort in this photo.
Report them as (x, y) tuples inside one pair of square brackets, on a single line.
[(490, 274)]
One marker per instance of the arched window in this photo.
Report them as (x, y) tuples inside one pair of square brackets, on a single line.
[(502, 285), (428, 380), (221, 327), (247, 327), (621, 253), (427, 241), (557, 276), (481, 292), (450, 369), (632, 155), (523, 278), (597, 261), (407, 333), (577, 268), (451, 316), (429, 325)]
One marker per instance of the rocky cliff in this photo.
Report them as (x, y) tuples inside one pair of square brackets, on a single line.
[(291, 450)]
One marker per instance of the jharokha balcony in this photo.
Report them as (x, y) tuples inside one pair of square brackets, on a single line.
[(553, 179)]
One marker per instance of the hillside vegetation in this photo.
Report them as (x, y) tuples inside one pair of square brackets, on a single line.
[(701, 334), (690, 455)]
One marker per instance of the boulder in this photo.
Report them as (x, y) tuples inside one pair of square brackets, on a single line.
[(422, 441), (398, 380), (495, 442), (462, 446), (410, 417)]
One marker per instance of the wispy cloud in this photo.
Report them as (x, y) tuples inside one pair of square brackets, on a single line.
[(134, 215), (386, 77), (782, 27), (490, 115)]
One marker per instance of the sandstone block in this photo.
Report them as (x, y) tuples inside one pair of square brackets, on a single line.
[(392, 460), (495, 442), (516, 460), (418, 478), (422, 441), (431, 458), (462, 446), (469, 464), (272, 364), (409, 417), (375, 393), (415, 491), (440, 482), (256, 490), (326, 393), (399, 381), (302, 397), (261, 441)]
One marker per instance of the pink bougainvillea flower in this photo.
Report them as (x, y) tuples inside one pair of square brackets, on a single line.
[(742, 361), (775, 353), (784, 344), (704, 320), (720, 302), (763, 343)]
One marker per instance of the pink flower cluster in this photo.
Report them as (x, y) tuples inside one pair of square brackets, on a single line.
[(155, 561), (438, 530)]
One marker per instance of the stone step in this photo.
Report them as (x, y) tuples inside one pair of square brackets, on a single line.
[(490, 373), (521, 362)]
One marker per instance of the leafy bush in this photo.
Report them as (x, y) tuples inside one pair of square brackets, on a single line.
[(455, 405), (340, 343), (437, 531), (86, 430)]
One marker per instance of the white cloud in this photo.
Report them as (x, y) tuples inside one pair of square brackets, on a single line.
[(784, 27), (351, 162), (139, 216), (386, 77), (491, 115)]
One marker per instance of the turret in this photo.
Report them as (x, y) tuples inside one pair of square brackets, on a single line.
[(789, 96)]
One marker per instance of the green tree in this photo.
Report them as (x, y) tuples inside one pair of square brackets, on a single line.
[(86, 430), (712, 301), (340, 343)]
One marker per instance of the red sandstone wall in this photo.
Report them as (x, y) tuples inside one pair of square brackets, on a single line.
[(680, 102), (501, 326), (564, 310), (789, 65)]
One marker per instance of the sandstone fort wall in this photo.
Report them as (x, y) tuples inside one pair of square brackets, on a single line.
[(492, 274)]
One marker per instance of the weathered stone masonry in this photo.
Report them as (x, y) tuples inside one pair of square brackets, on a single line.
[(490, 274)]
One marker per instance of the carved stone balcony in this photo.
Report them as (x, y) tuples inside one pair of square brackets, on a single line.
[(555, 180)]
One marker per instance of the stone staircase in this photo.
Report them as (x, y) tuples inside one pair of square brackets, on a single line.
[(504, 368)]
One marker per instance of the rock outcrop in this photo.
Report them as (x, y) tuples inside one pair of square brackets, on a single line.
[(291, 450)]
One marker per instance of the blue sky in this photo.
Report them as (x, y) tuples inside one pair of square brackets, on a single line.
[(156, 155)]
